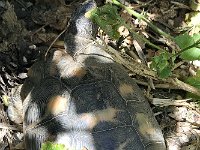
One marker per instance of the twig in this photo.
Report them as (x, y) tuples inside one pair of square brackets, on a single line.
[(159, 86), (133, 54), (172, 102), (184, 86), (9, 127), (139, 16), (178, 65), (130, 63), (39, 29), (142, 57), (139, 51), (143, 3), (144, 71), (137, 36), (180, 5), (169, 102), (54, 42)]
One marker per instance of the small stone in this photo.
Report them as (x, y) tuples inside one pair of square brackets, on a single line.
[(171, 22), (22, 75), (32, 46)]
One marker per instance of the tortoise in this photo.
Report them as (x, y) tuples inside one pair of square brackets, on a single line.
[(80, 97)]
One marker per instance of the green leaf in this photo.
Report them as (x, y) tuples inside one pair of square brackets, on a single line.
[(161, 65), (52, 146), (184, 41), (108, 19), (194, 81), (165, 72)]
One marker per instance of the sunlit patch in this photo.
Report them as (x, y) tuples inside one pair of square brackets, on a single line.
[(108, 114), (78, 72), (89, 119), (72, 70), (57, 105), (56, 58), (92, 119), (84, 148), (125, 89), (145, 125), (57, 55)]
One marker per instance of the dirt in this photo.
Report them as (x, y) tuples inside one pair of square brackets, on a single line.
[(27, 29)]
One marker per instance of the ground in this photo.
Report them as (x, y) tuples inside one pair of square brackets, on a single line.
[(29, 28)]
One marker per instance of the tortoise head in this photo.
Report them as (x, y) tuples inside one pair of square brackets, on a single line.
[(81, 29)]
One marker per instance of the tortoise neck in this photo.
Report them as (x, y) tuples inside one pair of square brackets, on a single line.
[(81, 29), (76, 44)]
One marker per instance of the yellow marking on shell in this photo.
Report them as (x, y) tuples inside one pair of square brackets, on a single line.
[(125, 89), (145, 127), (106, 114), (75, 71), (57, 105), (89, 119), (92, 119), (59, 54), (56, 58), (79, 72)]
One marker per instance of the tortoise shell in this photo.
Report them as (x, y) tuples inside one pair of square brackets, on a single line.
[(81, 98)]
